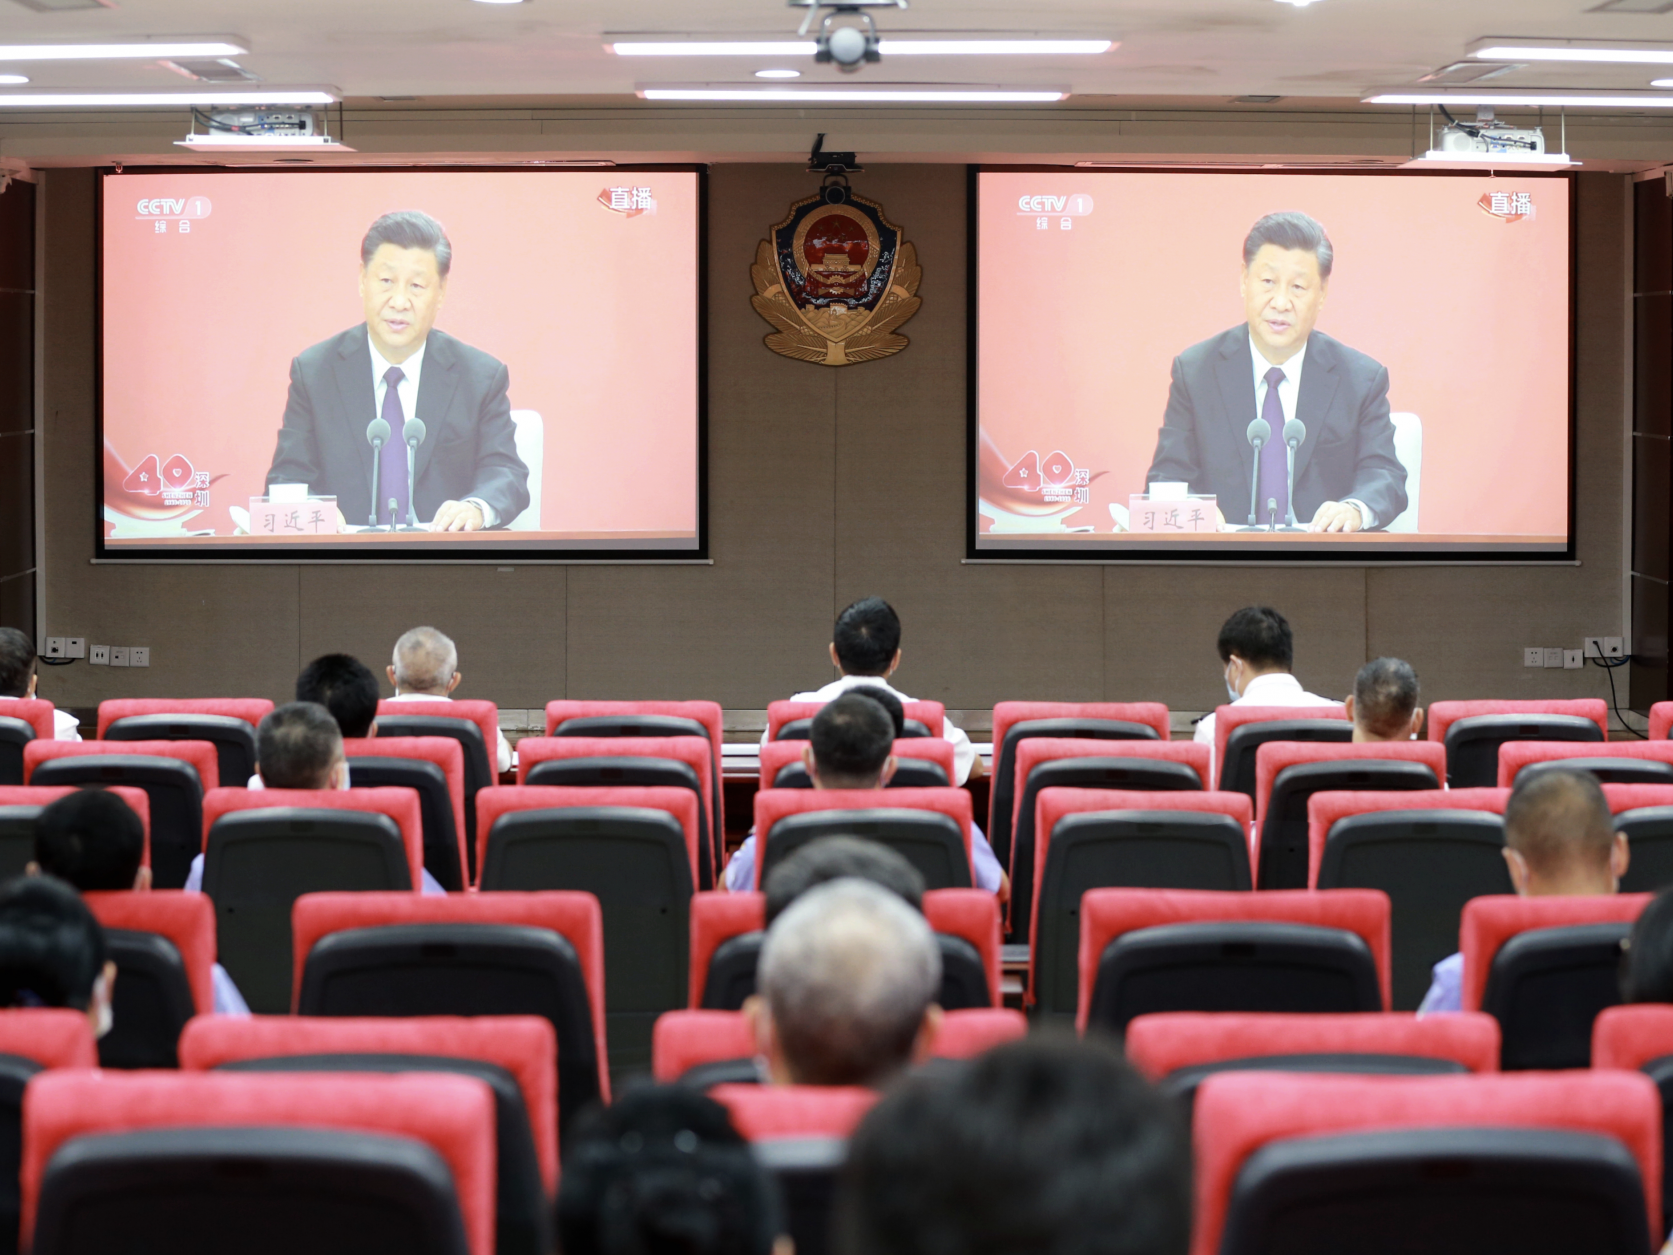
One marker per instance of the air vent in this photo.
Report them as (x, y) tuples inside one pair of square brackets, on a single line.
[(1633, 6), (1473, 71), (218, 70)]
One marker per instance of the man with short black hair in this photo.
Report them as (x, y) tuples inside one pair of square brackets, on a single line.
[(1383, 705), (18, 678), (1257, 650), (865, 648), (94, 842), (425, 668), (1048, 1145), (347, 688), (849, 975), (1560, 841), (838, 858), (849, 748), (52, 951)]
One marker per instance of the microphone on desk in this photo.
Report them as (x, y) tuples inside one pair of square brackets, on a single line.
[(1260, 431), (1272, 514), (377, 435), (1295, 431), (413, 433)]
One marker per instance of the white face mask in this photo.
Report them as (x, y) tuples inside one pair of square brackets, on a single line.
[(1231, 688), (101, 1001)]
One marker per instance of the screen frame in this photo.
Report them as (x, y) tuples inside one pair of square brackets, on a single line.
[(1329, 553), (488, 552)]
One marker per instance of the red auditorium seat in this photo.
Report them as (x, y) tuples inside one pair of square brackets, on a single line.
[(777, 755), (716, 918), (163, 945), (448, 758), (583, 1061), (185, 920), (401, 805), (1545, 967), (968, 1033), (33, 711), (45, 795), (1515, 755), (1442, 714), (524, 1045), (1644, 814), (1117, 853), (1661, 720), (1326, 918), (707, 714), (485, 715), (1631, 797), (1272, 758), (53, 1037), (1238, 1114), (774, 805), (252, 710), (971, 914), (453, 1115), (1473, 731), (771, 1112), (229, 722), (1640, 1039), (492, 805), (1240, 775), (1325, 810), (1158, 1045), (199, 755), (932, 715)]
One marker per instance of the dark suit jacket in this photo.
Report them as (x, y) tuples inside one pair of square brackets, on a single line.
[(1349, 449), (469, 448)]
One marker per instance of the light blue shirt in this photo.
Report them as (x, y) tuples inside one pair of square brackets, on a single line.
[(194, 880), (1446, 988), (740, 872)]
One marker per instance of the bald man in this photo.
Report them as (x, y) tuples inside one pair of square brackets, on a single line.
[(426, 669)]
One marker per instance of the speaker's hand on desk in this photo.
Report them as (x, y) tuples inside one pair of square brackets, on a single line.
[(461, 516), (1336, 516)]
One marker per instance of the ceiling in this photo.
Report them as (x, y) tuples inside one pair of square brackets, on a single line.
[(1173, 49)]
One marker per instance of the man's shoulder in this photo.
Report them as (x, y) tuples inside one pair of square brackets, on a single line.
[(330, 349), (1205, 353), (456, 352), (1327, 348)]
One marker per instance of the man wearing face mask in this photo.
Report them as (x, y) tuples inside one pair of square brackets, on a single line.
[(52, 951), (299, 746), (1257, 649)]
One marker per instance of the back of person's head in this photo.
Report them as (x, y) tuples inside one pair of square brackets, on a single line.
[(91, 840), (17, 662), (867, 637), (1385, 698), (1559, 823), (1260, 636), (888, 701), (1049, 1145), (662, 1171), (425, 661), (52, 950), (297, 746), (847, 975), (851, 737), (1647, 966), (835, 858), (346, 687)]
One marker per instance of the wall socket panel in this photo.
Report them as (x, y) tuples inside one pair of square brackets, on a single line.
[(1553, 658), (1573, 659), (140, 656), (75, 647), (54, 647), (1533, 656), (118, 655), (98, 656)]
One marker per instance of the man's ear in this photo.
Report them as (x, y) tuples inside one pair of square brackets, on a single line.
[(834, 661), (390, 672), (31, 868), (371, 729), (888, 773), (142, 880), (893, 663), (340, 774), (454, 682), (1417, 722), (1620, 857), (924, 1046), (1518, 867), (811, 764), (1349, 705), (34, 679)]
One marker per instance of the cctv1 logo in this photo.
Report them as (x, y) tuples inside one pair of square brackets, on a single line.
[(1075, 206), (159, 211)]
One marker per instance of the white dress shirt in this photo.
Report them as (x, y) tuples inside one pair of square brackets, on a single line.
[(1288, 389), (1276, 688), (502, 749), (65, 727), (964, 754), (407, 392)]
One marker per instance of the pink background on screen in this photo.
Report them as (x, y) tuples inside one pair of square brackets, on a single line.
[(594, 314), (1469, 313)]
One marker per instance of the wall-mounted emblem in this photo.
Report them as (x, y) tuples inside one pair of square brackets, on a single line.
[(836, 279)]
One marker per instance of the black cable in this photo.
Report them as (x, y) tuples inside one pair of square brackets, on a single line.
[(57, 662), (1609, 665)]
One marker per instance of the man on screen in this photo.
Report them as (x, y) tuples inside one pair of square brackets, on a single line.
[(1277, 367), (466, 473)]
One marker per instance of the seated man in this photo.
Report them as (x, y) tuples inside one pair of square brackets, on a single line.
[(865, 646), (838, 858), (1257, 650), (347, 688), (52, 951), (93, 841), (18, 678), (425, 669), (1383, 705), (1049, 1145), (848, 979), (298, 746), (1560, 841), (850, 749)]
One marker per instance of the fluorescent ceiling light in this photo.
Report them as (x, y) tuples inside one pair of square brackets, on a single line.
[(13, 80), (888, 47), (131, 100), (1661, 82), (1508, 99), (1559, 51), (1437, 159), (860, 95), (142, 50), (778, 74), (259, 143)]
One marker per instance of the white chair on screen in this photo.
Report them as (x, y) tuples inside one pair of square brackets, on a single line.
[(1408, 447), (531, 447)]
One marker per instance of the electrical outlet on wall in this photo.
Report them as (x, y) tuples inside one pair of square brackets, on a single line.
[(118, 655), (1533, 656), (1573, 659), (54, 647), (1553, 657), (98, 656), (75, 647), (140, 656), (1593, 646), (1613, 647)]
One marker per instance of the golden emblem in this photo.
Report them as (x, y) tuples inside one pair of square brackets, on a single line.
[(836, 279)]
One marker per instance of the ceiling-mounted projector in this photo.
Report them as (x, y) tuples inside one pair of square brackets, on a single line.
[(1488, 143)]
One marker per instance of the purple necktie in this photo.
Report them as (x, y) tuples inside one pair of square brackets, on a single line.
[(1274, 454), (392, 464)]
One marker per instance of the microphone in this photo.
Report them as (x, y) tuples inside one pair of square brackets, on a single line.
[(1260, 431), (413, 433), (377, 435), (1272, 514), (1295, 431)]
